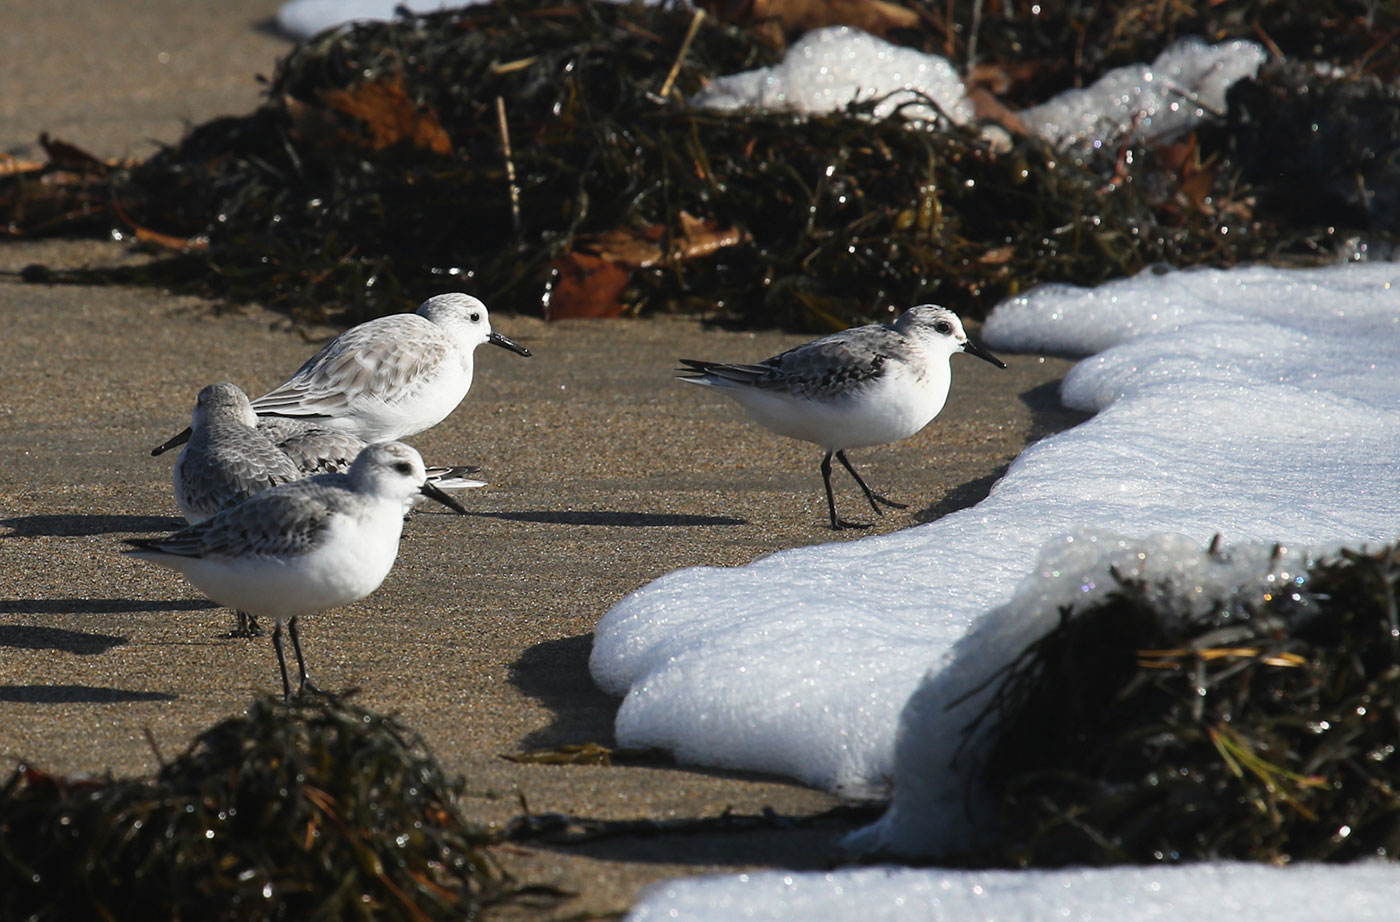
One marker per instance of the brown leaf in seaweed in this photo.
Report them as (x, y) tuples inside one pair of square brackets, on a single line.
[(1005, 77), (10, 165), (586, 286), (50, 200), (1195, 180), (392, 118), (989, 108), (641, 248), (157, 239), (592, 277), (877, 17), (70, 156)]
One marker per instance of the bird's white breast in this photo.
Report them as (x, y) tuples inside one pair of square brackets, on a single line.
[(887, 409), (350, 561)]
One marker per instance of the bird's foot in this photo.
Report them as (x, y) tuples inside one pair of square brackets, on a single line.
[(307, 687), (247, 626), (884, 500), (840, 524)]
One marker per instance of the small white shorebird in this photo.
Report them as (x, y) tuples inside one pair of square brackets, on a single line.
[(301, 547), (864, 386), (389, 377), (227, 459), (232, 454)]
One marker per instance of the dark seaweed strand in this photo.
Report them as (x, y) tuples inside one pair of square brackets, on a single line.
[(319, 810), (1282, 752), (846, 218)]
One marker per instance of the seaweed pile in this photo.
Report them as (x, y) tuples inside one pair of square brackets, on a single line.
[(319, 810), (542, 156), (1265, 730)]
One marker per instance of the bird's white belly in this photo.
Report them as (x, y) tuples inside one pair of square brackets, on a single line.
[(884, 412), (344, 568), (387, 417)]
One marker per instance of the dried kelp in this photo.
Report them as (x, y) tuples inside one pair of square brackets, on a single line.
[(1263, 731), (319, 810), (526, 152), (1344, 169), (1029, 49)]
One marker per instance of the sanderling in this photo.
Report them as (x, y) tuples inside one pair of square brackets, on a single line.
[(864, 386), (232, 454), (227, 458), (389, 377), (301, 547)]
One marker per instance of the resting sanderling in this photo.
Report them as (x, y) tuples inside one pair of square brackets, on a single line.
[(389, 377), (864, 386), (302, 547), (227, 458), (232, 454)]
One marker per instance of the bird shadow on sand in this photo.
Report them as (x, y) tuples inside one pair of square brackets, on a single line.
[(1048, 415), (802, 842), (77, 694), (82, 643), (555, 673), (80, 526), (99, 606), (960, 497)]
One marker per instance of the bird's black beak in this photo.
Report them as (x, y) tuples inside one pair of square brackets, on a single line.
[(174, 442), (505, 342), (433, 492), (972, 348)]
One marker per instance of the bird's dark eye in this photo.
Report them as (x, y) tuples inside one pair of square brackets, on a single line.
[(943, 327), (403, 467), (476, 317)]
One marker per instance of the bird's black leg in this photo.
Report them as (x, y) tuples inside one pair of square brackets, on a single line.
[(282, 660), (304, 683), (247, 625), (870, 494), (836, 524)]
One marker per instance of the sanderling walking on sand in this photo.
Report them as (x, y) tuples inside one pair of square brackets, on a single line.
[(301, 547), (389, 377), (864, 386)]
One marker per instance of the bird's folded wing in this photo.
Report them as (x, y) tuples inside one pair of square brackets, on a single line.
[(372, 363)]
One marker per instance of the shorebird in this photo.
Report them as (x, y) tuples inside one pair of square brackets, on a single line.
[(389, 377), (302, 547), (232, 454), (864, 386)]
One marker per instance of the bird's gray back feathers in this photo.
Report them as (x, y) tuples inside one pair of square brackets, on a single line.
[(285, 521)]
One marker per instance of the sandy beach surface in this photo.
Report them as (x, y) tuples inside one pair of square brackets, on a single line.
[(604, 473)]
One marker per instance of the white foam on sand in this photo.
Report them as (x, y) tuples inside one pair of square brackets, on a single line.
[(829, 69), (1263, 404), (1182, 87), (1258, 403), (1361, 893), (302, 19)]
